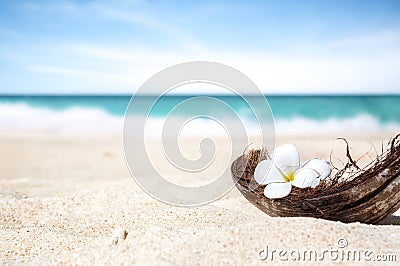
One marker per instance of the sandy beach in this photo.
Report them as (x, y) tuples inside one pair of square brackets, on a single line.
[(68, 200), (121, 121)]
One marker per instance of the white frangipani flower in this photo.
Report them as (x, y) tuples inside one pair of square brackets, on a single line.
[(284, 171)]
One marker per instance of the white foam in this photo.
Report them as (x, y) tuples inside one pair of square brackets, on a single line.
[(362, 123), (20, 116), (200, 127), (78, 120)]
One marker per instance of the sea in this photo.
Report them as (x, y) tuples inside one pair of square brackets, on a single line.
[(292, 114)]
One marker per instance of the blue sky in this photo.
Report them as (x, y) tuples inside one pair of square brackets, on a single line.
[(283, 46)]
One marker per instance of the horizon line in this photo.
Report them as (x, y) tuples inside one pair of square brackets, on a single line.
[(189, 94)]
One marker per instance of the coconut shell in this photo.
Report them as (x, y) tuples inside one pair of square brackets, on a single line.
[(369, 196)]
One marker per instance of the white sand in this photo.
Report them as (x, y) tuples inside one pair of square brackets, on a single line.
[(62, 199)]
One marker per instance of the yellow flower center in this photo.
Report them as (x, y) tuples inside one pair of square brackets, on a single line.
[(289, 177)]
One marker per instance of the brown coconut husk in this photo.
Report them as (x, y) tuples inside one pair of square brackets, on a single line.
[(351, 194)]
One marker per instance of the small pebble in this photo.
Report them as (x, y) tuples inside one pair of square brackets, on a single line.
[(119, 235)]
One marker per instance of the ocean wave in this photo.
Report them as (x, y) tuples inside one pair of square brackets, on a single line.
[(361, 123), (20, 116), (78, 120)]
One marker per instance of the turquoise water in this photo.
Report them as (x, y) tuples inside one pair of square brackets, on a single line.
[(383, 108)]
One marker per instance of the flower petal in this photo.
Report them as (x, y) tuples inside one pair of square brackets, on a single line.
[(315, 182), (277, 190), (286, 158), (266, 173), (319, 165), (304, 177)]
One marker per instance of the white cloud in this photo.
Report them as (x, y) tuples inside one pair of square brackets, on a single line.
[(378, 39), (134, 16), (61, 70), (129, 67), (359, 64), (60, 6), (135, 12)]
